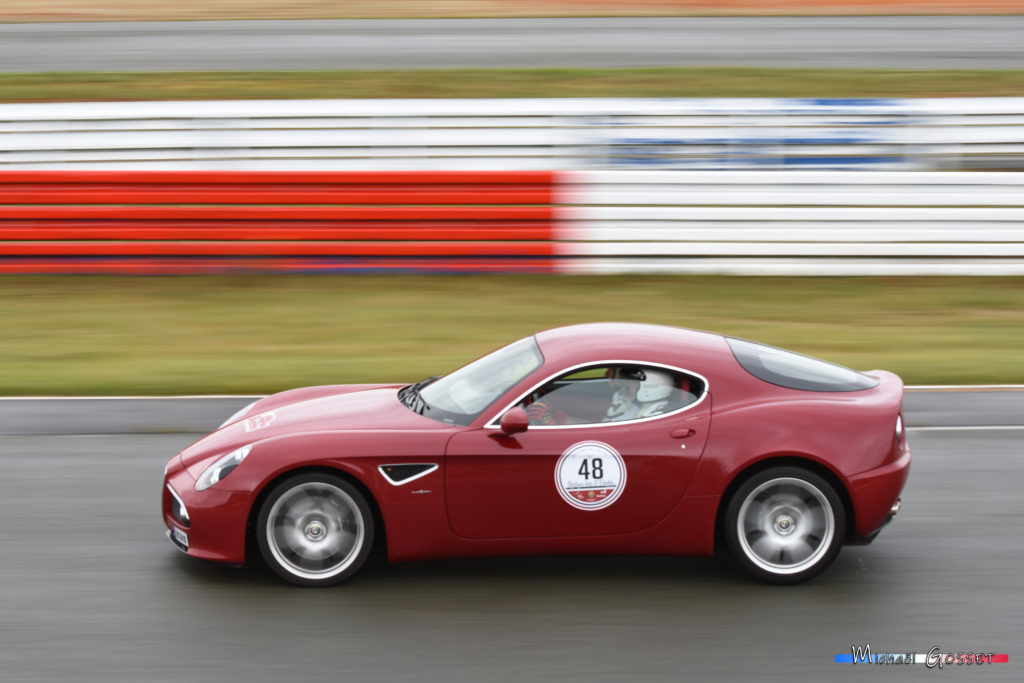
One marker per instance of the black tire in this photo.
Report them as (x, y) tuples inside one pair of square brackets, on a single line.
[(315, 529), (785, 525)]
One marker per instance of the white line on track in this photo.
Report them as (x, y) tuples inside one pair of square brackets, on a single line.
[(964, 387), (971, 428)]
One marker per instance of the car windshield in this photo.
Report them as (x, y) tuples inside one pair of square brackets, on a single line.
[(461, 396)]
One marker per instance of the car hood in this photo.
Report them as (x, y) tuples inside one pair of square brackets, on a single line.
[(376, 409)]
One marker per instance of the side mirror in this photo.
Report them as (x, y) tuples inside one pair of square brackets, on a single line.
[(514, 421)]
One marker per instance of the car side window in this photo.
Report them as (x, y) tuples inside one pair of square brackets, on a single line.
[(611, 393)]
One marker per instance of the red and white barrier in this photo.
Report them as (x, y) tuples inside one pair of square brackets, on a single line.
[(742, 222)]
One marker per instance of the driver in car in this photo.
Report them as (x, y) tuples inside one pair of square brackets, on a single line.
[(638, 393)]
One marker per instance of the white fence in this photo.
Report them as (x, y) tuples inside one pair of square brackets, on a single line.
[(903, 134), (792, 222)]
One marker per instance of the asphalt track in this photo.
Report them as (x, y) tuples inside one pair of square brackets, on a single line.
[(945, 42), (92, 591)]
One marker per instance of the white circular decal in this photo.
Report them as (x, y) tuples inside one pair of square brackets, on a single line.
[(590, 475)]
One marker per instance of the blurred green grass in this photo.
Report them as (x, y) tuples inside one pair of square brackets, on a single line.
[(255, 334), (641, 82)]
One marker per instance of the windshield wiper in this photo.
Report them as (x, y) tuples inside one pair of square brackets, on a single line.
[(410, 396)]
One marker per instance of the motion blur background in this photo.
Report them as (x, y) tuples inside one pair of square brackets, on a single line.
[(666, 154), (229, 197)]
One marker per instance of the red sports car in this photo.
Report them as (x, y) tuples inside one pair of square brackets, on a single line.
[(600, 438)]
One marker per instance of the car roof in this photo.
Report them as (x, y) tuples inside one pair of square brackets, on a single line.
[(594, 342)]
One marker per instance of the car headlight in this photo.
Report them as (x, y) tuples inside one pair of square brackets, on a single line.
[(238, 415), (222, 468)]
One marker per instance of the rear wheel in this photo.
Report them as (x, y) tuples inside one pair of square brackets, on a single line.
[(785, 525), (315, 529)]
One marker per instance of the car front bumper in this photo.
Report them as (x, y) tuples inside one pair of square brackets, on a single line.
[(210, 524)]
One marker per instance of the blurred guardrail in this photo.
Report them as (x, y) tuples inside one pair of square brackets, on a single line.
[(728, 186), (744, 222), (518, 134)]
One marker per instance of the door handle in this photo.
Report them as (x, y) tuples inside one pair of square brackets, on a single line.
[(683, 433)]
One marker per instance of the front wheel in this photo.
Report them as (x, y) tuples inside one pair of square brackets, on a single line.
[(315, 529), (785, 525)]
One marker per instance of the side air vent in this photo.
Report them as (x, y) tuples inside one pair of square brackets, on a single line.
[(404, 473)]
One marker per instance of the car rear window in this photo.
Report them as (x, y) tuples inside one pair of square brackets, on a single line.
[(796, 371)]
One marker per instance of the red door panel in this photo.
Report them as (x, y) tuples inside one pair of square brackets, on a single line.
[(501, 486)]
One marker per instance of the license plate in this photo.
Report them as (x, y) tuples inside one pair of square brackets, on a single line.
[(180, 536)]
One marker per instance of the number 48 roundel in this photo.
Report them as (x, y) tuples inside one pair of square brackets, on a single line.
[(590, 475)]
